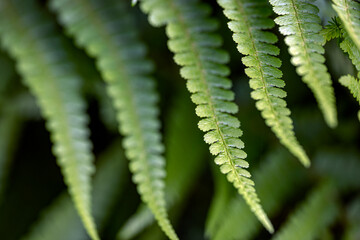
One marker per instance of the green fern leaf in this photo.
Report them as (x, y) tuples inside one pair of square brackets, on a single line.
[(59, 221), (180, 133), (249, 20), (349, 13), (300, 24), (31, 38), (196, 48), (352, 84), (121, 60), (313, 216), (277, 166), (348, 46)]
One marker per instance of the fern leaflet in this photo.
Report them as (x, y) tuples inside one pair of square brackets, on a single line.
[(196, 48), (349, 13), (180, 133), (313, 216), (31, 38), (248, 20), (121, 60), (300, 24), (352, 84)]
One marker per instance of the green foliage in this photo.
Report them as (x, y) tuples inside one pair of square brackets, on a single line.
[(56, 85), (124, 67), (249, 22), (63, 49), (180, 134), (196, 48), (349, 13), (352, 84), (300, 24)]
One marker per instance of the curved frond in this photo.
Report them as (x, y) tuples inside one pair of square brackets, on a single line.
[(349, 13), (249, 21), (314, 215), (180, 133), (277, 167), (31, 38), (300, 24), (121, 59), (59, 221), (352, 84), (196, 48), (348, 46)]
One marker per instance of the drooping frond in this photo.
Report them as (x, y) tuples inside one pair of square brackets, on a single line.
[(328, 163), (249, 21), (349, 12), (352, 84), (300, 24), (121, 59), (314, 215), (348, 46), (183, 167), (31, 38), (59, 221), (278, 166), (196, 48)]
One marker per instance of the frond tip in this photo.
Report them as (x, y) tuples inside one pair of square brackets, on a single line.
[(352, 84), (300, 24), (196, 48), (249, 21)]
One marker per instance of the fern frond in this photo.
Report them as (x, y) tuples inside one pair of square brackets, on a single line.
[(249, 21), (300, 24), (196, 48), (179, 134), (277, 167), (349, 13), (31, 38), (352, 84), (59, 221), (314, 215), (121, 59)]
